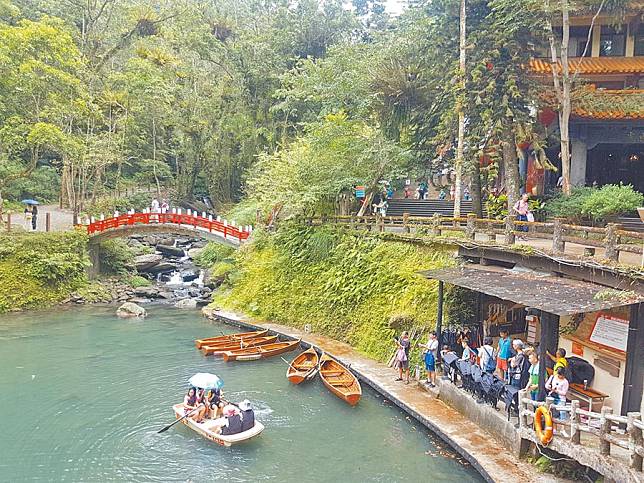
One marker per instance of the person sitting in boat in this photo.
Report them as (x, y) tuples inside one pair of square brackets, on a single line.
[(247, 415), (190, 403), (233, 423), (214, 403)]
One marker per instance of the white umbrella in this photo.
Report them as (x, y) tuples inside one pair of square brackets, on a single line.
[(205, 380)]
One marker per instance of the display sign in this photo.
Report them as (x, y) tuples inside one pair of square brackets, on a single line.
[(360, 191), (577, 349), (531, 336), (610, 332)]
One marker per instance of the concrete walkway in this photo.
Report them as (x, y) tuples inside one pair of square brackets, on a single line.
[(485, 454)]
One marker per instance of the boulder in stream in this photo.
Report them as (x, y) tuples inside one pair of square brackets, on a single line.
[(189, 276), (194, 252), (170, 251), (145, 263), (130, 310), (186, 304), (147, 292), (163, 267)]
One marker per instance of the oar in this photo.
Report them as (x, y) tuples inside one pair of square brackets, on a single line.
[(289, 364), (180, 419)]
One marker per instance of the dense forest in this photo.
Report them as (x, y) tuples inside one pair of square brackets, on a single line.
[(285, 104)]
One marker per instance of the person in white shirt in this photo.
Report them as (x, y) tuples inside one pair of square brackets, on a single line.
[(431, 352), (487, 357)]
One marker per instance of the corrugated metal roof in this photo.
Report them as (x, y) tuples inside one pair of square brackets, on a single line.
[(594, 65), (551, 294)]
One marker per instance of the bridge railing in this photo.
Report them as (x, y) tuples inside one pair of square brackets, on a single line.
[(612, 238), (192, 219)]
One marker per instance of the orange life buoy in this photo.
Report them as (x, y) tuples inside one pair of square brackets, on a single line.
[(543, 432)]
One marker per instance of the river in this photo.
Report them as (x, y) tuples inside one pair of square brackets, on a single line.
[(84, 394)]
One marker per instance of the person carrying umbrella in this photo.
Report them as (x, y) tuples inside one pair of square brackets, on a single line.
[(31, 214)]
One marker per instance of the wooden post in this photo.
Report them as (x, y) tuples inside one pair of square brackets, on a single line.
[(470, 229), (439, 316), (47, 221), (604, 446), (635, 439), (575, 433), (611, 241), (547, 342), (523, 419), (9, 220), (558, 243), (436, 224), (634, 370), (406, 228), (509, 230)]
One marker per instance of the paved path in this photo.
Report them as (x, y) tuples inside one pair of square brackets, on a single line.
[(487, 455)]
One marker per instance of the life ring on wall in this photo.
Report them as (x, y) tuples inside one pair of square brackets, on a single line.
[(544, 433)]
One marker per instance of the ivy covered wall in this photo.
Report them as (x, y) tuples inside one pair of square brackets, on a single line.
[(353, 287), (40, 269)]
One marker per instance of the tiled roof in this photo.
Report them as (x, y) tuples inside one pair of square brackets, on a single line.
[(594, 65), (609, 104)]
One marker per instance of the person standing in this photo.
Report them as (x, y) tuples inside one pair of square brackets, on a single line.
[(533, 382), (519, 366), (431, 352), (487, 357), (28, 221), (557, 387), (468, 354), (34, 217), (402, 356), (522, 209), (165, 207), (503, 351)]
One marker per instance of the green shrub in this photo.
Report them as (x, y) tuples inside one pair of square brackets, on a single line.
[(347, 286), (116, 257), (497, 207), (94, 292), (213, 253), (137, 281), (595, 204), (40, 269), (244, 213), (107, 206)]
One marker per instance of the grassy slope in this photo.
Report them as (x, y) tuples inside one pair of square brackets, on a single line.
[(355, 288), (40, 269)]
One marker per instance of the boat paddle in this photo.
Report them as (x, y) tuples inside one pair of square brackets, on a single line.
[(163, 430), (289, 364)]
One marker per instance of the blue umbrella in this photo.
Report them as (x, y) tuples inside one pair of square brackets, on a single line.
[(30, 202), (205, 380)]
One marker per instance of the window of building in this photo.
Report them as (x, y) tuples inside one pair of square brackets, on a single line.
[(577, 43), (613, 41), (639, 40)]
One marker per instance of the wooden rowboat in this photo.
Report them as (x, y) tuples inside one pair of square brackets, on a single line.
[(340, 380), (209, 429), (303, 367), (217, 350), (229, 338), (260, 351)]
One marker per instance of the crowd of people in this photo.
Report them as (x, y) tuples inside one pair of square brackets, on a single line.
[(510, 360), (228, 418)]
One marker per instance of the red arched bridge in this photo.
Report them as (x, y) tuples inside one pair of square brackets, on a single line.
[(190, 224)]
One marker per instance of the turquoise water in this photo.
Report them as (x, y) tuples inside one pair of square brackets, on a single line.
[(84, 393)]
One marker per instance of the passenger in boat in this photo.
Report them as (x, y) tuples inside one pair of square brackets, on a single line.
[(233, 424), (247, 415), (190, 403), (214, 404), (202, 401)]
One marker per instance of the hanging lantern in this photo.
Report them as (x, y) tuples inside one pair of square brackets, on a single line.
[(547, 116)]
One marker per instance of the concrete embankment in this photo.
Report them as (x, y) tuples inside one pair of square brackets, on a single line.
[(481, 450)]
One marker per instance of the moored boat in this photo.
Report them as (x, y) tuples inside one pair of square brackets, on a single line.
[(209, 429), (260, 351), (229, 338), (217, 350), (340, 380), (303, 367)]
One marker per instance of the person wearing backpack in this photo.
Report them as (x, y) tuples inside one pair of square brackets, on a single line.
[(519, 366), (487, 356)]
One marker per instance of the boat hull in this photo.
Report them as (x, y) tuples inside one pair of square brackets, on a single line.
[(303, 367), (340, 380), (218, 350), (260, 352), (230, 337), (206, 430)]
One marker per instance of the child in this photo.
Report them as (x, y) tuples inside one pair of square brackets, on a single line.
[(533, 383), (504, 354), (430, 358)]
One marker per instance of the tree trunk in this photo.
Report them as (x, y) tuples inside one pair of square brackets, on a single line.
[(458, 164), (154, 156), (475, 189), (564, 112), (510, 167)]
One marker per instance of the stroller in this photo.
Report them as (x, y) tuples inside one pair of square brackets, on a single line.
[(449, 365), (493, 388), (477, 379)]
